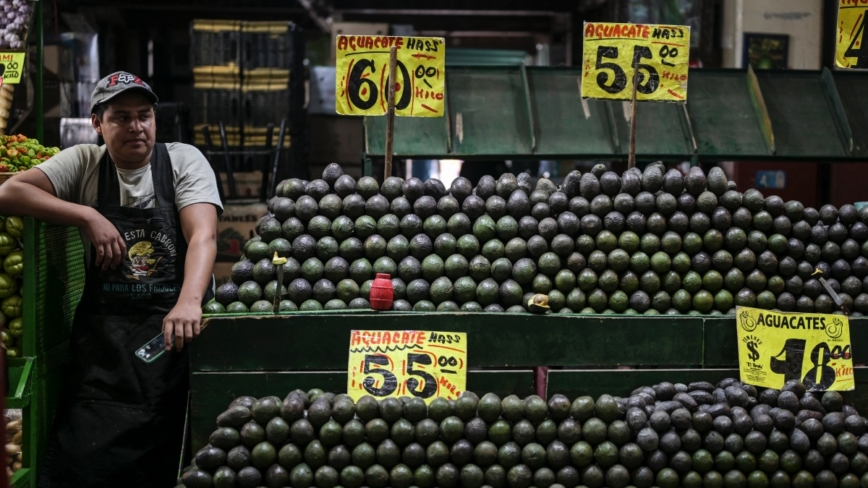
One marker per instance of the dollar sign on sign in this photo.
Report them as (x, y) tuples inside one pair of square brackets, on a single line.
[(754, 354)]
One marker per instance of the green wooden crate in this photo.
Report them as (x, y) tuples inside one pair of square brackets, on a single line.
[(263, 354)]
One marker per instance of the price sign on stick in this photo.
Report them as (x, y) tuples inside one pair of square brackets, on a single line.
[(412, 363), (660, 52), (852, 51), (362, 76), (11, 67), (775, 347)]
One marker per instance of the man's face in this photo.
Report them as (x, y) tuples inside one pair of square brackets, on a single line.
[(128, 128)]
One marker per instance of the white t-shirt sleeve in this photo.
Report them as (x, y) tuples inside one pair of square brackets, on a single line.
[(67, 171), (194, 179)]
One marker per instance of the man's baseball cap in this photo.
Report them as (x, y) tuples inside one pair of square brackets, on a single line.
[(117, 83)]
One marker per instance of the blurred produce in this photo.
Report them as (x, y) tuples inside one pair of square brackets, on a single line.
[(11, 285), (13, 441), (19, 153)]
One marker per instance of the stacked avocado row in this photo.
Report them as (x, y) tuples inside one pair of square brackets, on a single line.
[(727, 435), (643, 242)]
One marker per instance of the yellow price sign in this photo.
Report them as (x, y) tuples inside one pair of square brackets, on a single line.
[(852, 51), (662, 53), (362, 76), (12, 68), (776, 347), (416, 363)]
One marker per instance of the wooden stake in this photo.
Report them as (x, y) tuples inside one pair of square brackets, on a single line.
[(390, 117), (631, 162)]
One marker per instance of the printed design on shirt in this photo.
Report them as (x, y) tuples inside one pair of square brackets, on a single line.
[(141, 262), (146, 249), (144, 201)]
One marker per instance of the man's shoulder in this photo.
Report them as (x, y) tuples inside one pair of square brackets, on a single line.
[(82, 152), (180, 149)]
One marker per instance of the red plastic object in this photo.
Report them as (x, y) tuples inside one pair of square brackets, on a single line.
[(382, 292)]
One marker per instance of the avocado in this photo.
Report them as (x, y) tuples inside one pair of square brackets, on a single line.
[(317, 189), (717, 182), (695, 181), (589, 186), (652, 179), (572, 183), (610, 183)]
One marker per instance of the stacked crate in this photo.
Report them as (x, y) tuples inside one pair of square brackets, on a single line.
[(267, 53), (241, 77), (216, 78)]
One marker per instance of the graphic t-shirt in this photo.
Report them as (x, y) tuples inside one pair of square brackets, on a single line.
[(74, 173)]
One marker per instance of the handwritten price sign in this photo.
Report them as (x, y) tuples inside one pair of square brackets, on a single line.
[(610, 51), (11, 67), (775, 347), (362, 77), (417, 363), (852, 51)]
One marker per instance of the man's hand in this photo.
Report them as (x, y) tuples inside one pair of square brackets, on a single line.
[(110, 247), (182, 325)]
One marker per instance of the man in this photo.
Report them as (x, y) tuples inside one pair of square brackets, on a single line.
[(147, 214)]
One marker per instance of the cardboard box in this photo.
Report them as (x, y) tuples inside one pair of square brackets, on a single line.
[(235, 227)]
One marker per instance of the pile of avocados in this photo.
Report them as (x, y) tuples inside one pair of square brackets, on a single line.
[(727, 435), (645, 242)]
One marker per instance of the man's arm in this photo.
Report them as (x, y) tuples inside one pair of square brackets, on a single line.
[(199, 224), (31, 194)]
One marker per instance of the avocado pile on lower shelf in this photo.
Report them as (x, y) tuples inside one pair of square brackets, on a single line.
[(644, 242), (727, 435)]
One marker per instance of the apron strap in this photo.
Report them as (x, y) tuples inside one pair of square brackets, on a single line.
[(162, 173), (109, 193)]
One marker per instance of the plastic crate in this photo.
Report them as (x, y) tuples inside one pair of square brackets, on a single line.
[(214, 42), (213, 104), (267, 44), (263, 107)]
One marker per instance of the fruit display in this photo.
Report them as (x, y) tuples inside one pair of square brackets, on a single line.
[(11, 274), (670, 435), (643, 242), (19, 153), (13, 441), (15, 15), (6, 94)]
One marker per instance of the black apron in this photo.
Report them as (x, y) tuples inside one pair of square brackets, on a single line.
[(120, 421)]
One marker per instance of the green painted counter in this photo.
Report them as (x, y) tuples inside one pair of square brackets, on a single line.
[(264, 354)]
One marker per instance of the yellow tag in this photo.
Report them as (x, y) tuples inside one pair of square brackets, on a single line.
[(362, 77), (775, 347), (13, 67), (414, 363), (852, 51), (611, 50)]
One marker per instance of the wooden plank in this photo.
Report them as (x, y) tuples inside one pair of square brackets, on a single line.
[(595, 382), (721, 343), (312, 342), (212, 392)]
